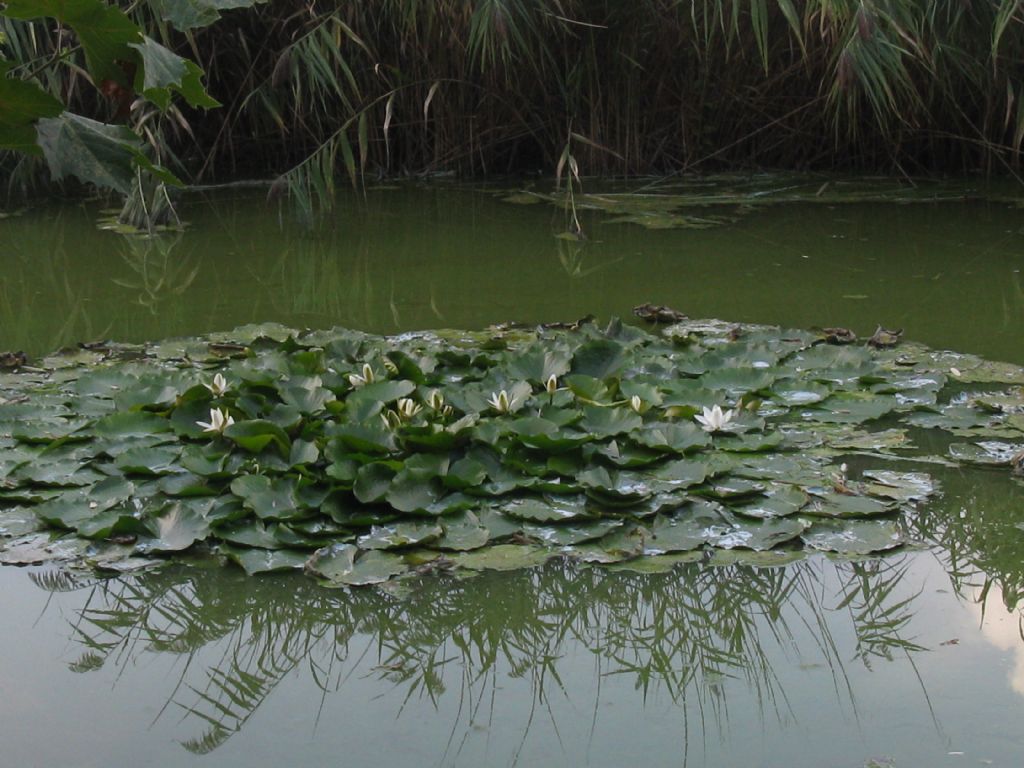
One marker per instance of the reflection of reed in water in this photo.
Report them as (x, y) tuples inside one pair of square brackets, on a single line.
[(976, 533), (689, 634), (47, 271), (159, 273)]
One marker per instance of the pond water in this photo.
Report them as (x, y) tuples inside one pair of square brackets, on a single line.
[(915, 659)]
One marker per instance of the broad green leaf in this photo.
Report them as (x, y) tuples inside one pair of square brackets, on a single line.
[(164, 71), (103, 30), (190, 14), (21, 105), (96, 153)]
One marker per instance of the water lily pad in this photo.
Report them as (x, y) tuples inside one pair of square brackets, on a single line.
[(899, 486), (848, 505), (154, 460), (989, 453), (853, 537), (502, 557), (175, 528), (130, 424), (269, 498), (549, 509), (462, 532), (568, 534), (777, 501), (624, 543), (39, 548), (256, 561), (399, 535), (18, 521), (256, 434), (672, 438), (599, 358)]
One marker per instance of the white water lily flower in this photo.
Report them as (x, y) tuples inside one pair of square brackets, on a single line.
[(390, 365), (220, 420), (407, 408), (714, 419), (500, 402), (367, 378), (447, 411), (551, 385), (218, 386), (636, 403)]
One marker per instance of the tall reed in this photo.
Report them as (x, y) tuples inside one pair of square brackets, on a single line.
[(315, 91)]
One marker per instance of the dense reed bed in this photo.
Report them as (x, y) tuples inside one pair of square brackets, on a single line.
[(317, 91)]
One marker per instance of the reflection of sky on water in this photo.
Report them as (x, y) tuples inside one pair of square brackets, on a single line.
[(1001, 628)]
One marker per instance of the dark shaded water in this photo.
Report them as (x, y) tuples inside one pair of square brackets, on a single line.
[(916, 657)]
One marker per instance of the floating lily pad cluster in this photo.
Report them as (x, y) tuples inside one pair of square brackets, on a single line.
[(360, 458)]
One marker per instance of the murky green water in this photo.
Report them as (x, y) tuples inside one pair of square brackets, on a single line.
[(917, 657)]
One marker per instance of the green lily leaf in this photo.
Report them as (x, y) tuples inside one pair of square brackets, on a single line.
[(548, 510), (600, 359), (156, 460), (570, 534), (256, 561), (400, 535), (502, 557), (175, 528), (408, 493), (777, 501), (853, 537), (462, 532), (270, 499), (990, 453), (257, 434), (607, 422), (845, 505), (671, 438), (340, 566), (373, 481)]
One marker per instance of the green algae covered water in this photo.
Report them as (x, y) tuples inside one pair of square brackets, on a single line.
[(914, 659)]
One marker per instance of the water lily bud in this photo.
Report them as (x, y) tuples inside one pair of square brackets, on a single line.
[(407, 408), (435, 400), (636, 403), (551, 385), (499, 401), (218, 386)]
